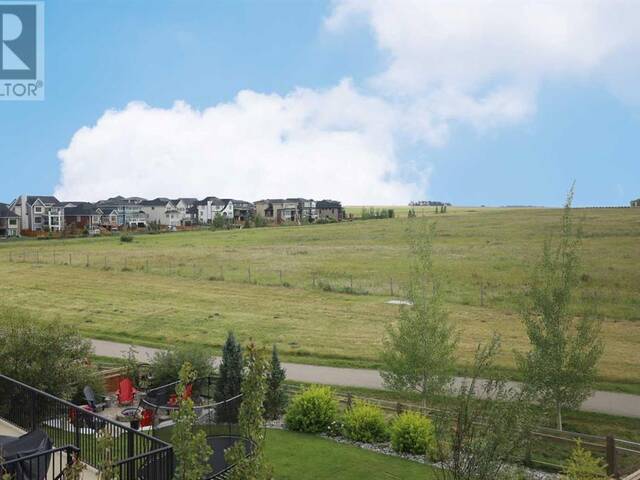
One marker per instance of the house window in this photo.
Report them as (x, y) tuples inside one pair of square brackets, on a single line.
[(37, 219), (37, 209), (13, 222)]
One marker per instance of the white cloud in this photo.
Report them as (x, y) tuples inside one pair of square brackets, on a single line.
[(320, 144), (482, 61), (476, 62)]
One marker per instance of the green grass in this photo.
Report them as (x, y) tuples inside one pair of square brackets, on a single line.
[(298, 456), (163, 289)]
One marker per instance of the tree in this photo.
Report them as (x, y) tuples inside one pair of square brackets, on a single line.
[(418, 352), (166, 364), (562, 364), (107, 455), (45, 355), (190, 446), (254, 387), (229, 381), (582, 465), (275, 399), (487, 427)]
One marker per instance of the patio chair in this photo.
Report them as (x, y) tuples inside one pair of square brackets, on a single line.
[(90, 397), (126, 392)]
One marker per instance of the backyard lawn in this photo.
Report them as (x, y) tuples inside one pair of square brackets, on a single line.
[(299, 456), (319, 291)]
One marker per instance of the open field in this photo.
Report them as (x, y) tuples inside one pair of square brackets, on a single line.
[(163, 289)]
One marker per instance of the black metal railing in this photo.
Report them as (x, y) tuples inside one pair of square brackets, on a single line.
[(136, 455)]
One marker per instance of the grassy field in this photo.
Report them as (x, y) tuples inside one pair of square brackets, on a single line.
[(319, 292), (297, 456)]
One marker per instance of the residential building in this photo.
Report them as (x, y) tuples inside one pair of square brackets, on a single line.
[(242, 211), (211, 207), (38, 213), (330, 209), (185, 210), (80, 215), (635, 203), (9, 222), (120, 211), (160, 211), (278, 210)]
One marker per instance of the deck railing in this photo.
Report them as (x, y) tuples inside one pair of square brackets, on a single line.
[(136, 455), (46, 465)]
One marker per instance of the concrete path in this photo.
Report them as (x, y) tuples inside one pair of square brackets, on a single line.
[(612, 403)]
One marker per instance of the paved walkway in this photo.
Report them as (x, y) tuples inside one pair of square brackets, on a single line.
[(601, 402)]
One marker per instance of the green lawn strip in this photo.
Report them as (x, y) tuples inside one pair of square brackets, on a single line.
[(298, 456)]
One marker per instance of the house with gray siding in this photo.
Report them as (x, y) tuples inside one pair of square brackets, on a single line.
[(9, 222)]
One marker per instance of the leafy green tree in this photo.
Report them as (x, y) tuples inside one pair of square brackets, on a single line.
[(190, 445), (582, 465), (107, 456), (45, 355), (254, 388), (418, 351), (276, 398), (562, 364), (166, 364), (229, 381), (480, 439)]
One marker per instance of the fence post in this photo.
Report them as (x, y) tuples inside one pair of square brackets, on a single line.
[(351, 282), (249, 272), (131, 453), (391, 285), (11, 257), (54, 257), (349, 400), (481, 293), (398, 408), (280, 277), (612, 457), (87, 261), (69, 259)]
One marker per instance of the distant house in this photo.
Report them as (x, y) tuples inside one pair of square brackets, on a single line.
[(38, 213), (281, 210), (210, 207), (635, 203), (330, 209), (120, 211), (81, 215), (9, 222), (186, 214), (242, 210)]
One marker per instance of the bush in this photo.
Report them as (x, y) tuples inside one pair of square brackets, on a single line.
[(365, 423), (126, 238), (582, 465), (312, 410), (413, 433), (165, 365), (45, 355)]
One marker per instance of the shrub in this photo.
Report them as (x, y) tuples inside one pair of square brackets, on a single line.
[(45, 355), (582, 465), (413, 433), (126, 238), (312, 410), (365, 423), (165, 365)]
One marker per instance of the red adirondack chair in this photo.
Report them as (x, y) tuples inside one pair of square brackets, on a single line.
[(126, 391)]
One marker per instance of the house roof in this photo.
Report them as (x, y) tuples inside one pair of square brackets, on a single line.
[(5, 212), (46, 199), (155, 202), (328, 204), (81, 210), (214, 201)]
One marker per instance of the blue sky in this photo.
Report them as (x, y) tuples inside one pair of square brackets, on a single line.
[(337, 106)]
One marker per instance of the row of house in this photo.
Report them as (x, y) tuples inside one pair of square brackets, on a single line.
[(46, 213)]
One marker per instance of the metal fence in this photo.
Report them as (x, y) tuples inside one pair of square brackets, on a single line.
[(47, 465), (136, 455)]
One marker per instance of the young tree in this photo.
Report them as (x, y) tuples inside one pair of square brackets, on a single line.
[(562, 363), (275, 399), (190, 446), (487, 428), (107, 457), (418, 352), (254, 388), (229, 382), (582, 465)]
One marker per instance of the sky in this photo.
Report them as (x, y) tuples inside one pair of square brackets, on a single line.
[(472, 102)]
